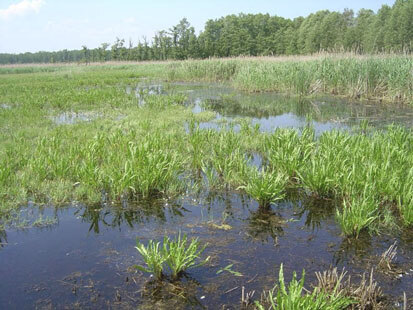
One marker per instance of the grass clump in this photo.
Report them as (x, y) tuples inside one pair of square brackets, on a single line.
[(265, 187), (177, 254), (293, 296), (358, 214), (153, 257)]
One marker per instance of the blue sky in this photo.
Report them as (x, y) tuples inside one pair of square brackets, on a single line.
[(33, 25)]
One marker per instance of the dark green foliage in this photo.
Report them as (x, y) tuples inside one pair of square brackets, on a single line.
[(388, 30)]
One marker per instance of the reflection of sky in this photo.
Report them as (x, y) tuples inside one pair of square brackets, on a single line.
[(289, 120), (335, 113)]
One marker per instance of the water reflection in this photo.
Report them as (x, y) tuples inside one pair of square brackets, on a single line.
[(353, 251), (69, 257), (129, 214), (315, 211), (143, 90), (3, 238), (68, 118), (272, 110), (265, 224)]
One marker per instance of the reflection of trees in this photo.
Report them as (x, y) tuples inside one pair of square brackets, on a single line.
[(263, 105), (264, 223), (130, 215), (3, 238), (259, 105)]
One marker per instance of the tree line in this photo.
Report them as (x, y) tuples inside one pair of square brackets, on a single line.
[(388, 30)]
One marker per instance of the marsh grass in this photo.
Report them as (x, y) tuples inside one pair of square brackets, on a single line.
[(357, 215), (294, 296), (265, 187), (364, 295), (153, 257), (387, 257), (178, 254), (374, 77), (149, 153), (182, 256)]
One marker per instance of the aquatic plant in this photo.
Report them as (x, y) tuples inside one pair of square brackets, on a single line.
[(153, 257), (173, 253), (364, 295), (385, 78), (387, 257), (180, 256), (133, 152), (293, 296), (265, 186), (358, 213), (228, 268)]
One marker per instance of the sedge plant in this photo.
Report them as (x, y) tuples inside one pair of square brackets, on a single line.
[(265, 187), (293, 296), (177, 254)]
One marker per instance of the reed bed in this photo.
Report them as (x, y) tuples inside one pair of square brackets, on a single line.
[(375, 77)]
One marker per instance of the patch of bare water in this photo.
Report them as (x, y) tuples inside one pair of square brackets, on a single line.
[(87, 258), (5, 106), (68, 118), (273, 110)]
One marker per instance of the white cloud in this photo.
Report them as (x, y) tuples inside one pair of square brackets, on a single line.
[(21, 8)]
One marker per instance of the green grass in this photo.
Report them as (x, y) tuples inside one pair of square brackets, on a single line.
[(132, 151), (358, 214), (177, 254), (265, 186), (293, 296), (376, 77)]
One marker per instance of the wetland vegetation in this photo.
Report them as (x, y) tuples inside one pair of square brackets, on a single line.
[(153, 149)]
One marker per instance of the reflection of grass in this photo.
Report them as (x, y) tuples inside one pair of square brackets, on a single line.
[(44, 222)]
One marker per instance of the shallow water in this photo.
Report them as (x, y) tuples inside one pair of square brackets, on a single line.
[(273, 110), (68, 118), (85, 257), (5, 106)]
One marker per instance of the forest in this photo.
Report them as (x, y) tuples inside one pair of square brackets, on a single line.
[(389, 30)]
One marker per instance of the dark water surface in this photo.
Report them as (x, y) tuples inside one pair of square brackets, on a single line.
[(84, 258)]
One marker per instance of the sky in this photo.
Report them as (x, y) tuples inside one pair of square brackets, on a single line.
[(51, 25)]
